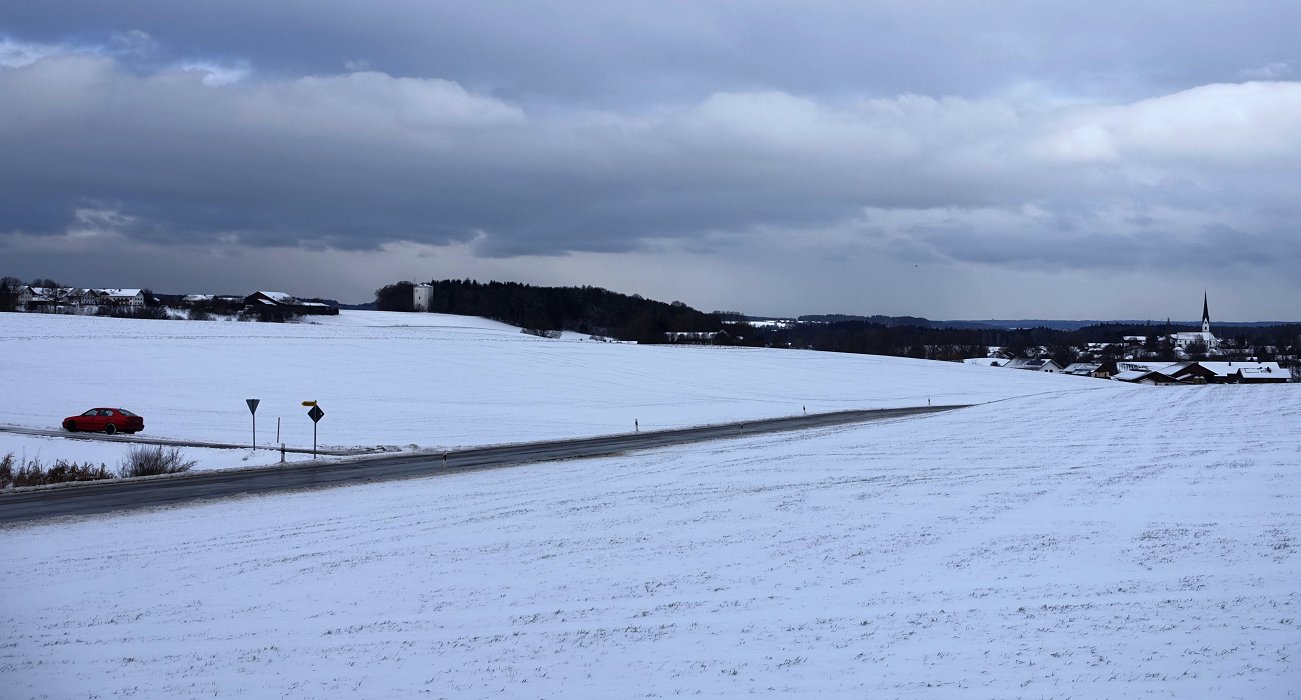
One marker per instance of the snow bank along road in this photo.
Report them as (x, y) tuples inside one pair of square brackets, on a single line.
[(98, 497), (136, 439)]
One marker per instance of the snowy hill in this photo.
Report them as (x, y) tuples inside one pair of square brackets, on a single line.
[(431, 381), (1128, 544)]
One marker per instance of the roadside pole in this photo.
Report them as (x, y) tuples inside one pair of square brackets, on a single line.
[(252, 408), (316, 414)]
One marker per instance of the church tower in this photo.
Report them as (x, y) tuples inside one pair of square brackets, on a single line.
[(1206, 315)]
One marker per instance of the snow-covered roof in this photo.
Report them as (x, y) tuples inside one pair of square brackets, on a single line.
[(1264, 373), (1081, 368), (1196, 337), (1031, 364), (278, 297), (119, 292), (1258, 369), (693, 335), (1130, 366), (1138, 375)]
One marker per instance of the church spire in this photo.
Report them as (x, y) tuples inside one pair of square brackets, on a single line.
[(1206, 315)]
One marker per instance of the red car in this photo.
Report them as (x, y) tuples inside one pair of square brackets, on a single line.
[(109, 420)]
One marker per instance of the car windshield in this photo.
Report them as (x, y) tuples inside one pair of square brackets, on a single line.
[(91, 412), (125, 412)]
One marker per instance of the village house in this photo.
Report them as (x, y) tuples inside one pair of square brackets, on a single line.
[(280, 301), (1139, 376), (66, 298), (1246, 372), (1082, 369), (1034, 365), (129, 298)]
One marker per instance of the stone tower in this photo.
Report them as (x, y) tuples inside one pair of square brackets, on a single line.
[(422, 297), (1206, 315)]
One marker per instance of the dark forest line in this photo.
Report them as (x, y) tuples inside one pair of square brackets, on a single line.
[(590, 310), (597, 311)]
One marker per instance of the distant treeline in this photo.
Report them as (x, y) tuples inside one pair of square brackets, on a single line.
[(590, 310), (957, 343), (597, 311), (879, 320)]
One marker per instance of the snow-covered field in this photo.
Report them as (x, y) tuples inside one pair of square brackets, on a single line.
[(427, 381), (1071, 545), (1067, 538)]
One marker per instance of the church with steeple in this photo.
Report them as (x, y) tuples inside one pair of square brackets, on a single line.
[(1183, 340)]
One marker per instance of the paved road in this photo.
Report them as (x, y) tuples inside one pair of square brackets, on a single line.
[(89, 498), (142, 440)]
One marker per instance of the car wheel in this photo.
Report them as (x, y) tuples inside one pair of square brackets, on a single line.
[(70, 426), (110, 429)]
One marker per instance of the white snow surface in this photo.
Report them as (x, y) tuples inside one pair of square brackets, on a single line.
[(427, 381), (1088, 544)]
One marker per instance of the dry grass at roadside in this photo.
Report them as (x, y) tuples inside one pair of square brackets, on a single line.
[(15, 473), (139, 461)]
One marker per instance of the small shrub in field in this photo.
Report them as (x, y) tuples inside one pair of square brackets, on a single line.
[(150, 461)]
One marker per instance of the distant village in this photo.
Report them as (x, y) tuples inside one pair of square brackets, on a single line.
[(142, 303), (1159, 372), (1138, 364)]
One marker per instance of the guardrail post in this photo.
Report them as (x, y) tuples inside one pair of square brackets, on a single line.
[(282, 453)]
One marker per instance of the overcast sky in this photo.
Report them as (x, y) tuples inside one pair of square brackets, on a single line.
[(943, 159)]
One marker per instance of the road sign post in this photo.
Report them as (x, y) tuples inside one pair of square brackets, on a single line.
[(252, 408), (316, 414)]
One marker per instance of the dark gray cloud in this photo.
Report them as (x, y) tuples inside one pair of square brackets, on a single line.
[(1020, 139)]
